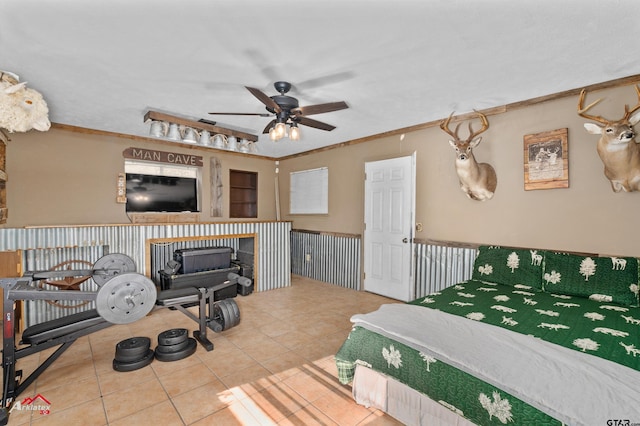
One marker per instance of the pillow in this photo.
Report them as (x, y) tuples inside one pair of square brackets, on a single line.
[(510, 266), (608, 279)]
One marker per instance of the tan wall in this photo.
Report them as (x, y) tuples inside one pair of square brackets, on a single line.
[(587, 216), (62, 177)]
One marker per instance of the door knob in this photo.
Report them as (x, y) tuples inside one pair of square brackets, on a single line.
[(405, 240)]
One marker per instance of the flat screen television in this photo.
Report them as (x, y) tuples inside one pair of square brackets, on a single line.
[(153, 193)]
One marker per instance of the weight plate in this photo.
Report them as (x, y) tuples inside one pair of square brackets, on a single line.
[(226, 315), (235, 310), (217, 314), (111, 265), (132, 349), (126, 298), (168, 349), (173, 336), (134, 365), (175, 356)]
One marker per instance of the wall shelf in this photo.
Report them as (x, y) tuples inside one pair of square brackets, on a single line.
[(243, 194)]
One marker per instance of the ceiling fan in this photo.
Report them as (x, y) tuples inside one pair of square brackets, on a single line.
[(287, 111)]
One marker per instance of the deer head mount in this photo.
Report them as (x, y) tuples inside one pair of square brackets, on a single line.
[(477, 180), (617, 147)]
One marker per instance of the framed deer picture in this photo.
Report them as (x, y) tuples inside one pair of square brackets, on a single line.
[(546, 160)]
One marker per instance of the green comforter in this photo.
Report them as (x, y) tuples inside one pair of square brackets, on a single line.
[(603, 329)]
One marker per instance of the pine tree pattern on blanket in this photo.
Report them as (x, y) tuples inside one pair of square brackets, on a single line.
[(600, 328)]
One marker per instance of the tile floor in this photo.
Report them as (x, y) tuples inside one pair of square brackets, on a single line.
[(275, 368)]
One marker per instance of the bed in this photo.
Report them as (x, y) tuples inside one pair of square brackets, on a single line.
[(534, 337)]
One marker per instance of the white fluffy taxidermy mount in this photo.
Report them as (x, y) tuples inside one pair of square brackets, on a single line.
[(21, 108)]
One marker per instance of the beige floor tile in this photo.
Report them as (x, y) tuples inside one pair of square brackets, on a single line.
[(66, 374), (274, 403), (186, 379), (115, 381), (341, 409), (284, 365), (307, 416), (233, 415), (265, 349), (135, 398), (71, 394), (199, 403), (249, 381), (90, 412), (163, 414)]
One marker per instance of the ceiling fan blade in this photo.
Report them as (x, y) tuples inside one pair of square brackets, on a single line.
[(324, 80), (262, 97), (320, 108), (314, 123), (259, 114), (269, 126)]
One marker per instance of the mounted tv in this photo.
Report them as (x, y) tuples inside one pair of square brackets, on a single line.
[(155, 193)]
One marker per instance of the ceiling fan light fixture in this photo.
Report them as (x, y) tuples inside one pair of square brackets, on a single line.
[(272, 134), (294, 132), (280, 130)]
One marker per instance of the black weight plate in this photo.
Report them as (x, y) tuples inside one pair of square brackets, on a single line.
[(173, 336), (226, 314), (134, 365), (235, 310), (168, 349), (175, 356), (132, 349), (217, 314)]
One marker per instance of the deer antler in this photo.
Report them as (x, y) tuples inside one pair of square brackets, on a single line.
[(444, 125), (485, 126), (627, 111), (582, 110)]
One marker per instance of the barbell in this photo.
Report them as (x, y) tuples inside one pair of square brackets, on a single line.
[(123, 295)]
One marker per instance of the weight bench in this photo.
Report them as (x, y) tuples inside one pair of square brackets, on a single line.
[(63, 332)]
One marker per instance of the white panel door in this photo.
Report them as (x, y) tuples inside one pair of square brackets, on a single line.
[(389, 198)]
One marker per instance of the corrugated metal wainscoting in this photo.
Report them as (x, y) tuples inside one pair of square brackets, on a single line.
[(336, 259), (440, 265), (332, 258), (273, 262)]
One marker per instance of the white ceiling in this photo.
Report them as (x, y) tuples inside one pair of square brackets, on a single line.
[(397, 63)]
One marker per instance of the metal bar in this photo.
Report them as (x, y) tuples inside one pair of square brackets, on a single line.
[(23, 291)]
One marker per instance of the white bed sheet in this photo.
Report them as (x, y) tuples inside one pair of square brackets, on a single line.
[(373, 389), (573, 387)]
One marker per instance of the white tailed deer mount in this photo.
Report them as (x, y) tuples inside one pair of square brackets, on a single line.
[(477, 180), (617, 147)]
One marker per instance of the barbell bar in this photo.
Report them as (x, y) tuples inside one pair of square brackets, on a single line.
[(123, 296)]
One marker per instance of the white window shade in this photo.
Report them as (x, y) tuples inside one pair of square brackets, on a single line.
[(309, 191)]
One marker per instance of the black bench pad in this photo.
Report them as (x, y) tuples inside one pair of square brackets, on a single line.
[(178, 296), (61, 326)]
